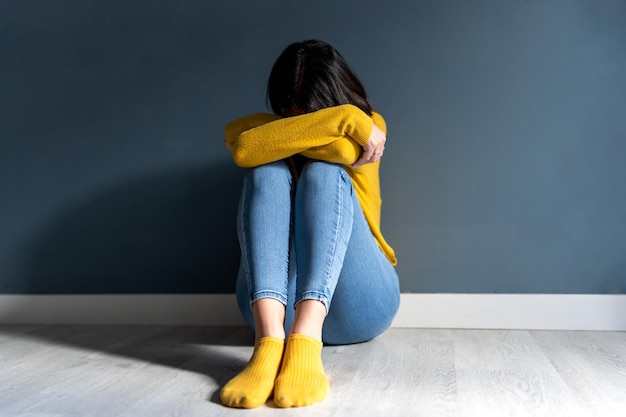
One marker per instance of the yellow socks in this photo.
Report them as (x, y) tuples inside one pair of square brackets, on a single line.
[(254, 385), (301, 380)]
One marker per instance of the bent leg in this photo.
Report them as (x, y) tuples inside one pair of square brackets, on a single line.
[(338, 259), (322, 227), (264, 229), (367, 296)]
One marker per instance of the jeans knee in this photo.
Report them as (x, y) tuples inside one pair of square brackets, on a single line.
[(320, 168), (272, 173), (322, 172)]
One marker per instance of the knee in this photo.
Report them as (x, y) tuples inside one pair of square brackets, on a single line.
[(322, 172), (269, 174), (320, 168)]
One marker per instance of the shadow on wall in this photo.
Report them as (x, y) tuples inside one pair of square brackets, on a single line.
[(172, 233)]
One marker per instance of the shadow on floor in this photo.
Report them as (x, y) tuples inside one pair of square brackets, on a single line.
[(205, 350), (174, 232)]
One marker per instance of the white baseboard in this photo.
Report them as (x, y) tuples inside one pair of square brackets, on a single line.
[(484, 311)]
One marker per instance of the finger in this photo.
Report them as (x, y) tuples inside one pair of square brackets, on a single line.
[(364, 160), (368, 154), (359, 162)]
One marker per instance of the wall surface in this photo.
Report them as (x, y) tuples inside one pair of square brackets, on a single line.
[(504, 170)]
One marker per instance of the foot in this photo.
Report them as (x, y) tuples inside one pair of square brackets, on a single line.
[(254, 384), (302, 380)]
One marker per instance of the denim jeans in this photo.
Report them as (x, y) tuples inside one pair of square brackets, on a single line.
[(309, 240)]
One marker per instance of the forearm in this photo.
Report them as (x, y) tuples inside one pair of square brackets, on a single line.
[(344, 151), (236, 127), (280, 138)]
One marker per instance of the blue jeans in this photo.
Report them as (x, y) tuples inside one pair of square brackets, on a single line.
[(309, 240)]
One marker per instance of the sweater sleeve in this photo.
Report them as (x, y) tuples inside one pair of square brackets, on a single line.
[(238, 126), (345, 150), (258, 140)]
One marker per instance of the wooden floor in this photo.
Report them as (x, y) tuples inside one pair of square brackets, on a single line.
[(54, 371)]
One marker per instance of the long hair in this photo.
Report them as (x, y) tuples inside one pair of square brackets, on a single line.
[(312, 75)]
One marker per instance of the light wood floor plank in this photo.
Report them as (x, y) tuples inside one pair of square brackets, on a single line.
[(507, 370), (592, 369), (124, 371)]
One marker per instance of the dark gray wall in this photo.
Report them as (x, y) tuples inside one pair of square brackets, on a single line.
[(504, 169)]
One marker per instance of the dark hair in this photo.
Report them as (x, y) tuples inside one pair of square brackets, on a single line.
[(311, 75)]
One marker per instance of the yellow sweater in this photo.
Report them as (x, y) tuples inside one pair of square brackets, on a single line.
[(334, 134)]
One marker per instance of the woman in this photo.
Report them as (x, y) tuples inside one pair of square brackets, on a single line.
[(314, 264)]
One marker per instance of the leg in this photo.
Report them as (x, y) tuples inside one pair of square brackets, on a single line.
[(362, 308), (264, 234), (338, 259), (367, 296), (322, 226), (266, 316), (243, 295), (264, 231), (324, 211)]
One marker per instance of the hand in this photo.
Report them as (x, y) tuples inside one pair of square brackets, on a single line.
[(373, 149)]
